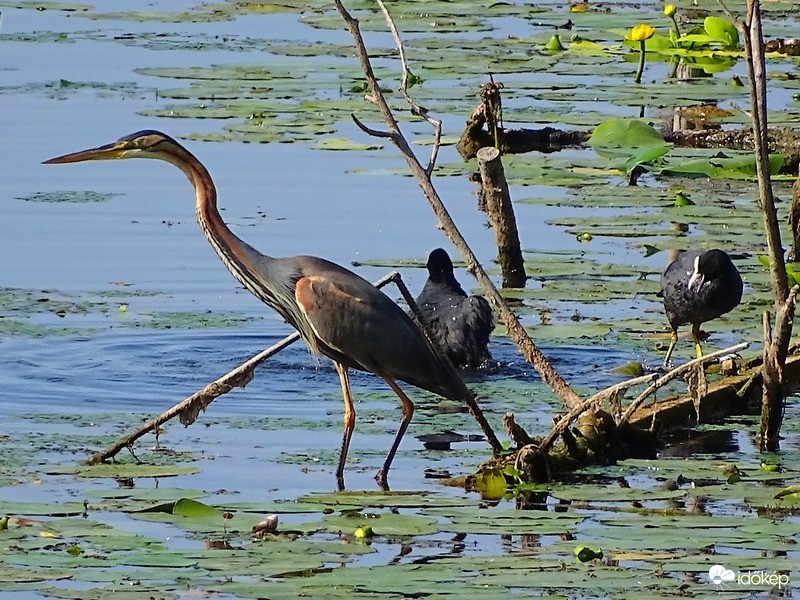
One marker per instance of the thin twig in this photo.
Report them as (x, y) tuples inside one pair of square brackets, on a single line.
[(190, 408), (661, 382), (415, 108), (623, 386), (369, 130), (594, 402)]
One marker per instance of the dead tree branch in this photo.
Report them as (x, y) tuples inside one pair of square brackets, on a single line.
[(676, 372), (497, 198), (776, 344)]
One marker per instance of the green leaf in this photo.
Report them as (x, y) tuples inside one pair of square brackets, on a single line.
[(625, 134), (193, 509), (738, 167), (722, 30)]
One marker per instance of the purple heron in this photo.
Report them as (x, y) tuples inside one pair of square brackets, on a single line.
[(337, 313)]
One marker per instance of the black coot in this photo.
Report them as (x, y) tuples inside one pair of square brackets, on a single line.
[(460, 323), (698, 286)]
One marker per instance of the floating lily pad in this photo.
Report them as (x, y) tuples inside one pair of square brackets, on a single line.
[(122, 470)]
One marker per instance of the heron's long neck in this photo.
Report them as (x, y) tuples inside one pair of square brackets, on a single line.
[(262, 275), (237, 255)]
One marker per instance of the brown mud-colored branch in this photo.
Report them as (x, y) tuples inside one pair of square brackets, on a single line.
[(497, 199), (479, 133), (515, 329), (189, 409), (484, 128), (597, 439)]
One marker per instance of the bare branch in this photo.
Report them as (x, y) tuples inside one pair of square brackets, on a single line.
[(415, 108), (515, 329), (623, 386), (190, 408), (661, 382), (369, 130), (565, 421)]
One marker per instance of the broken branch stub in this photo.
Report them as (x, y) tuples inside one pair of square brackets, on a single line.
[(494, 192)]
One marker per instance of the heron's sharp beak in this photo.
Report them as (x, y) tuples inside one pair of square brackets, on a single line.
[(107, 152)]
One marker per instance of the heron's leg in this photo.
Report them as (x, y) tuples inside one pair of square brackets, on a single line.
[(696, 338), (349, 422), (672, 341), (408, 412)]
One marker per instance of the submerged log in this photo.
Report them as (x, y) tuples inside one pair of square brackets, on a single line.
[(483, 129)]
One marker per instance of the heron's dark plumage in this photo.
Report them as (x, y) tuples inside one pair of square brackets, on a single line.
[(460, 323)]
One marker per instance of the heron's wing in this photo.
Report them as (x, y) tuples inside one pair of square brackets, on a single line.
[(369, 331), (355, 320)]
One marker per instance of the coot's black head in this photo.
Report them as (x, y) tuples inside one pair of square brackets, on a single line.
[(440, 267), (709, 266)]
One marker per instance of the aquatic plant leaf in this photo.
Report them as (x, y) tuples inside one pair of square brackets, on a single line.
[(722, 30), (626, 134), (122, 470), (35, 509), (740, 167), (186, 507), (605, 494), (493, 520), (71, 197), (366, 499), (344, 144)]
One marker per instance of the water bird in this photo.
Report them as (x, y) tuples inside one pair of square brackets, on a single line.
[(338, 314), (460, 324), (698, 286)]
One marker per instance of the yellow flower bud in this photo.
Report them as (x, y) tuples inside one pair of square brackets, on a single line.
[(641, 33), (669, 9)]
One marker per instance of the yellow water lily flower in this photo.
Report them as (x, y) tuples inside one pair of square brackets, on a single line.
[(641, 33), (669, 9)]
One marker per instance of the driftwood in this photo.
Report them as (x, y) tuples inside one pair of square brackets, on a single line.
[(483, 131), (495, 195)]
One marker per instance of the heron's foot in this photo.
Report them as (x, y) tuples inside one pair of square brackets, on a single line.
[(382, 480)]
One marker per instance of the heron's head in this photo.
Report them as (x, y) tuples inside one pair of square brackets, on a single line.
[(440, 267), (142, 144)]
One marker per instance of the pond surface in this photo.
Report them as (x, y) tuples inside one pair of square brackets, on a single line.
[(113, 308)]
